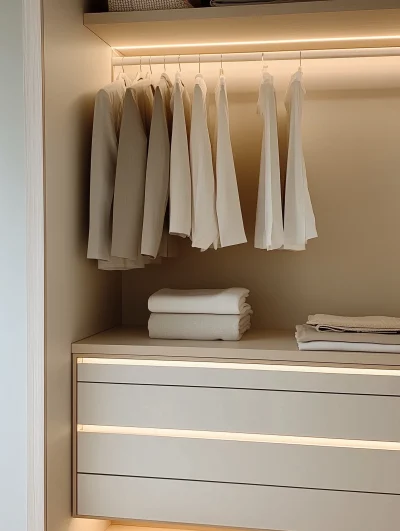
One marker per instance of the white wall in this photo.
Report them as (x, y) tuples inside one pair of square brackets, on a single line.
[(13, 350)]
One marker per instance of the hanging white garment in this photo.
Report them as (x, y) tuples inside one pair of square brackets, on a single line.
[(204, 217), (180, 194), (299, 216), (131, 171), (269, 222), (106, 126), (229, 212), (157, 172)]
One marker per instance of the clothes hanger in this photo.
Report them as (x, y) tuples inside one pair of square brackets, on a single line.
[(264, 69), (178, 72), (139, 75), (199, 72), (221, 70), (122, 75)]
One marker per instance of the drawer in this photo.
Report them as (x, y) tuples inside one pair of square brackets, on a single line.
[(293, 465), (325, 379), (232, 505), (240, 411)]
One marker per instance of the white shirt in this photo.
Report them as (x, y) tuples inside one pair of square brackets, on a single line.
[(204, 218), (106, 125), (157, 172), (229, 213), (299, 216), (269, 222), (180, 194), (131, 171)]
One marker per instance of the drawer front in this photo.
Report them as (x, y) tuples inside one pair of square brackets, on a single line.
[(242, 376), (240, 411), (232, 505), (289, 465)]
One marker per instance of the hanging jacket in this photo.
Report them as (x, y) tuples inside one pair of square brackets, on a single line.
[(157, 172), (106, 126), (269, 222), (180, 194), (299, 224), (131, 171), (204, 218), (229, 213)]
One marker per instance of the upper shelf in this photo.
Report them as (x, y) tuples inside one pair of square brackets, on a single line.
[(288, 26)]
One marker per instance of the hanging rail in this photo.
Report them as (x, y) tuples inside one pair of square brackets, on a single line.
[(257, 56)]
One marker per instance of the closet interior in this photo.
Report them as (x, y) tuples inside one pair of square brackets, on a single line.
[(182, 431)]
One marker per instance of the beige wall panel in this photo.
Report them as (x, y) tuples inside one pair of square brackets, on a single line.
[(351, 132), (80, 300)]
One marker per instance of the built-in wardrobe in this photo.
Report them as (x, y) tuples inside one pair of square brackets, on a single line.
[(253, 434)]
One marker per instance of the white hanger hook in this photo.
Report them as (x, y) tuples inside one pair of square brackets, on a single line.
[(122, 64), (179, 63), (222, 69), (140, 63), (151, 70), (199, 65), (301, 59)]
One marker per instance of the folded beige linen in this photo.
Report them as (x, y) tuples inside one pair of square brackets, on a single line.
[(344, 346), (307, 333), (336, 323)]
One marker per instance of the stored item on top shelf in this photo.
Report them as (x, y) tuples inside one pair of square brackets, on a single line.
[(147, 5), (223, 3)]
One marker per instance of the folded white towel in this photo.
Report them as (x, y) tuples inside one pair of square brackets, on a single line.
[(201, 327), (231, 301), (342, 346)]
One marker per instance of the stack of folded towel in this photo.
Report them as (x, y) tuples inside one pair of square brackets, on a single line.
[(350, 334), (204, 314)]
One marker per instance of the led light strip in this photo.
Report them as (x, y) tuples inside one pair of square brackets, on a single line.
[(238, 366), (379, 38), (240, 437)]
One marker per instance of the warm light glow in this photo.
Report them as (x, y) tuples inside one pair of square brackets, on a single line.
[(241, 437), (245, 366), (275, 42)]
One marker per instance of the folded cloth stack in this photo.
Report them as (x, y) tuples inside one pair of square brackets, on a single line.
[(204, 314), (350, 334)]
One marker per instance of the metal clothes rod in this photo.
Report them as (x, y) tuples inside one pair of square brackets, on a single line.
[(257, 56)]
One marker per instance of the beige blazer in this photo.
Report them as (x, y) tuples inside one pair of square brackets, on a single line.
[(157, 171), (131, 171), (180, 194), (106, 126)]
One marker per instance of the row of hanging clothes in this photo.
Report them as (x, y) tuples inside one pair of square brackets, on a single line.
[(156, 175)]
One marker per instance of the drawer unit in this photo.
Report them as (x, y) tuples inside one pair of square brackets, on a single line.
[(233, 505), (240, 410), (239, 375), (241, 443), (230, 461)]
